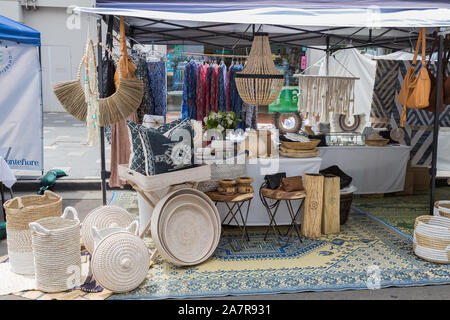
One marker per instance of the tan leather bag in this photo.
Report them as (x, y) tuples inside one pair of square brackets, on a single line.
[(292, 184), (415, 91)]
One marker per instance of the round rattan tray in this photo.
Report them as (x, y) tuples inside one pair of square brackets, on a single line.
[(186, 227), (297, 145)]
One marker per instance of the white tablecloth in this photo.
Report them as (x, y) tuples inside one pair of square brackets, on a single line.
[(373, 169), (443, 154), (6, 175), (257, 169)]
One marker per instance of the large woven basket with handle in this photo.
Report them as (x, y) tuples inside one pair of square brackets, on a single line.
[(432, 238), (56, 250), (442, 209), (20, 211)]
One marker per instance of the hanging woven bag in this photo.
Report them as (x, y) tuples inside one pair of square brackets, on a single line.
[(415, 91), (56, 250), (112, 109), (20, 211)]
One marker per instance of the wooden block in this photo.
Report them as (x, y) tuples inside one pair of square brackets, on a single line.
[(312, 212), (331, 204), (421, 178)]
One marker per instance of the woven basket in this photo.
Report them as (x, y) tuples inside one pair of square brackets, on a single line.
[(101, 218), (20, 211), (442, 208), (56, 250), (121, 260), (432, 238)]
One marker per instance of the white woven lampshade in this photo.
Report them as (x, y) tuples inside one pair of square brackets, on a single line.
[(259, 83)]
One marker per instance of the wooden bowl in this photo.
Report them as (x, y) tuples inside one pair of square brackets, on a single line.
[(377, 143), (227, 182), (244, 180), (297, 145)]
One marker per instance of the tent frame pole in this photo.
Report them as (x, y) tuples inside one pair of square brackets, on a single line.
[(436, 124), (103, 173)]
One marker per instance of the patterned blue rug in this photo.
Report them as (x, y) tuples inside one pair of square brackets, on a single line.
[(366, 254)]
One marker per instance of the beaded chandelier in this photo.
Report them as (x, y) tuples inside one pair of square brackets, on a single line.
[(259, 83)]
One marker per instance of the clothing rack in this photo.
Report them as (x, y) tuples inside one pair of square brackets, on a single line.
[(214, 55)]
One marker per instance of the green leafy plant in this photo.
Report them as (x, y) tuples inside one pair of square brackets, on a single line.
[(221, 120)]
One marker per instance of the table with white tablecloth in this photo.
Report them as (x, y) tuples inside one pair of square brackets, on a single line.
[(257, 169), (373, 169)]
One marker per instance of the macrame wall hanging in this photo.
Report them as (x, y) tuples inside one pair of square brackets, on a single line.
[(320, 95)]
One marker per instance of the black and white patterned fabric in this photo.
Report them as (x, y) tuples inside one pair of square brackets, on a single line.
[(168, 148), (137, 156)]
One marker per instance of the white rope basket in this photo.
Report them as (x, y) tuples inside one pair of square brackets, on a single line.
[(442, 208), (121, 260), (103, 217), (56, 250), (20, 211), (432, 238)]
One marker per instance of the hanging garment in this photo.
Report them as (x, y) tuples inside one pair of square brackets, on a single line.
[(223, 81), (189, 106), (227, 90), (249, 117), (214, 88), (158, 87), (202, 93), (120, 143), (235, 98), (142, 74), (109, 69)]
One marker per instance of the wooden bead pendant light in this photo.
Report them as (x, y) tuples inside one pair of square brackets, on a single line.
[(259, 83)]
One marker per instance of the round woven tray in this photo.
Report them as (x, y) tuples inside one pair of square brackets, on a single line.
[(377, 143), (300, 155), (103, 217), (120, 262), (297, 145), (175, 229)]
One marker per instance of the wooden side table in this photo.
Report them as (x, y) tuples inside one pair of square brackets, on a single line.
[(234, 203), (280, 195)]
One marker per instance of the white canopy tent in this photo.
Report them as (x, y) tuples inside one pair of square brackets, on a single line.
[(231, 25)]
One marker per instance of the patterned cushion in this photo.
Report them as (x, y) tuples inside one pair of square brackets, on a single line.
[(137, 156), (168, 148)]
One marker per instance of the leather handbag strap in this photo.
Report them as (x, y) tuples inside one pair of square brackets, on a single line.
[(421, 42)]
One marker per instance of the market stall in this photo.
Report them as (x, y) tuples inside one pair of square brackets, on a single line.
[(329, 251)]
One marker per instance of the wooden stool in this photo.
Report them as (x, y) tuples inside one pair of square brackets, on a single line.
[(236, 200), (280, 195)]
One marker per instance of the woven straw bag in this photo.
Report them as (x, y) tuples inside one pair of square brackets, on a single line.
[(56, 250), (121, 260), (442, 208), (20, 211), (432, 238)]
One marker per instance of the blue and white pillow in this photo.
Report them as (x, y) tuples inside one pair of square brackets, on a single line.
[(168, 148), (137, 156)]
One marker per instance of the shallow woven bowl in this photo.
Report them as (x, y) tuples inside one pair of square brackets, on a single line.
[(297, 145), (377, 143)]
